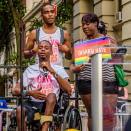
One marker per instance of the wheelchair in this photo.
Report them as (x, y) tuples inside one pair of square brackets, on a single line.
[(65, 117)]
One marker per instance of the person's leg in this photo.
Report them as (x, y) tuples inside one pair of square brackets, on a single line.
[(50, 104), (128, 125), (18, 117), (109, 109), (87, 102), (58, 129), (0, 121)]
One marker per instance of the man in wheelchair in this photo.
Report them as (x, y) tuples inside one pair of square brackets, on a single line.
[(44, 81)]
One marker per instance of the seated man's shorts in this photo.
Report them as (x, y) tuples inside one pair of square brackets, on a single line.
[(32, 107)]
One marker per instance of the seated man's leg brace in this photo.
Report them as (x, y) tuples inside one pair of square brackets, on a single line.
[(37, 116), (45, 118)]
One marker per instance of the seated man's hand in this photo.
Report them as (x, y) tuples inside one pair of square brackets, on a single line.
[(37, 94), (47, 66)]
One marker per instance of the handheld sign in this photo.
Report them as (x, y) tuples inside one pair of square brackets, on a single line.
[(83, 50)]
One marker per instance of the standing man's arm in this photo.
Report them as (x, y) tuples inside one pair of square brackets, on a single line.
[(66, 47), (31, 46)]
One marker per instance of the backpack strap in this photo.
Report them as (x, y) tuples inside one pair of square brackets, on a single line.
[(37, 35), (62, 36)]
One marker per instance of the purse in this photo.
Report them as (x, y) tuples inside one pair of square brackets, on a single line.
[(121, 76)]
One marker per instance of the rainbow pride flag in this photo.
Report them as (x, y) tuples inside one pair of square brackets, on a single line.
[(83, 50)]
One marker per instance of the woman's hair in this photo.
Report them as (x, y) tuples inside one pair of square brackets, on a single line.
[(91, 18)]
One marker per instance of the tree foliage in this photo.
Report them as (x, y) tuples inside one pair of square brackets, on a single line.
[(35, 23), (6, 23), (7, 19), (13, 58), (2, 85), (64, 13)]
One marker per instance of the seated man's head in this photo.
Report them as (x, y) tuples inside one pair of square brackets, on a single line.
[(44, 50)]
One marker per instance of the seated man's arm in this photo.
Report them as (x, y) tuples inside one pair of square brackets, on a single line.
[(16, 90), (61, 77), (64, 84), (34, 93)]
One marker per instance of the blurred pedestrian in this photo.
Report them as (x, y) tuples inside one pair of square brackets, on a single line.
[(122, 98)]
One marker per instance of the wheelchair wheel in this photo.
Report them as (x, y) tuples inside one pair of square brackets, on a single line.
[(51, 128), (72, 119)]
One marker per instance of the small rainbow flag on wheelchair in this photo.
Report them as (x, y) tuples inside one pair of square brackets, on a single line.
[(83, 50)]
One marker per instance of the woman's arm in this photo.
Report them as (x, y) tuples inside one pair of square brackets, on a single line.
[(113, 43), (76, 68), (125, 94)]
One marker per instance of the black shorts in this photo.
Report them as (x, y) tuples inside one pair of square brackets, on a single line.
[(84, 87), (32, 107)]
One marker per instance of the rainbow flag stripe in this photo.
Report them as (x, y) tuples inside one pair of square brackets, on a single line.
[(83, 50)]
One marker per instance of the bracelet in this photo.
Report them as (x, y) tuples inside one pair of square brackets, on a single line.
[(25, 92), (31, 52), (56, 75)]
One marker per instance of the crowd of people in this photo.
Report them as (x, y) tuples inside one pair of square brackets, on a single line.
[(47, 76)]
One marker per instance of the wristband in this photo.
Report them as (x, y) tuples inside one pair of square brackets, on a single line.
[(31, 52), (56, 75), (25, 92)]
